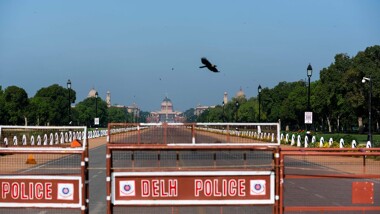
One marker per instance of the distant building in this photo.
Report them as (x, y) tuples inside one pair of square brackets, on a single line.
[(92, 93), (166, 114), (225, 98), (108, 99), (240, 93), (200, 109), (132, 109)]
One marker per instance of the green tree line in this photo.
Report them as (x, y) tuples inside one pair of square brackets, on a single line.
[(53, 105), (339, 100)]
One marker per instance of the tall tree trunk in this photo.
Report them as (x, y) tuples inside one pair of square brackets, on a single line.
[(329, 124), (360, 122), (338, 123)]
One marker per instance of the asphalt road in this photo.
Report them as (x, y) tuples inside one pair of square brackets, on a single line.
[(97, 179)]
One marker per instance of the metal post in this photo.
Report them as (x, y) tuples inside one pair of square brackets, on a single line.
[(370, 111), (96, 107), (369, 108), (309, 74), (237, 108), (259, 91), (223, 112), (69, 88)]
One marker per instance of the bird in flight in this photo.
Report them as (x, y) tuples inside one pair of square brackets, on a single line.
[(207, 64)]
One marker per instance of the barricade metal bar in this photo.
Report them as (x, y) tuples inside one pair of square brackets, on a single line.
[(195, 133), (331, 176), (53, 176), (337, 208), (7, 151), (192, 147), (312, 176), (186, 147), (108, 179), (277, 161)]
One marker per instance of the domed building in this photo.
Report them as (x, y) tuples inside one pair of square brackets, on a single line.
[(92, 93), (240, 93), (166, 114)]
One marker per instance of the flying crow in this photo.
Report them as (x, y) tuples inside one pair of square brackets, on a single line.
[(207, 64)]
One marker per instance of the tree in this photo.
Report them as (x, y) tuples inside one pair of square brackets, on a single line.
[(39, 110), (366, 63), (248, 111), (58, 99), (216, 114), (118, 115), (86, 111), (3, 113), (16, 104), (190, 116), (332, 102), (143, 115)]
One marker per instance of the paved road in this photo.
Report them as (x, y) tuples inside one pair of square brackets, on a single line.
[(97, 178)]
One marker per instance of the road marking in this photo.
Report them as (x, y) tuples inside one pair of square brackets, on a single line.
[(98, 147), (48, 163), (319, 196), (338, 204), (303, 188), (99, 208)]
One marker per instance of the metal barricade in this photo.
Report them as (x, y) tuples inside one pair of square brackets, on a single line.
[(43, 169), (330, 180), (267, 134), (190, 168)]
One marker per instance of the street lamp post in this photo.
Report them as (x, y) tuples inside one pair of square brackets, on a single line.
[(237, 108), (309, 73), (223, 111), (69, 88), (96, 108), (259, 92), (309, 116), (369, 107)]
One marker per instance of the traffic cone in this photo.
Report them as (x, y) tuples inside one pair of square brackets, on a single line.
[(75, 143), (31, 159)]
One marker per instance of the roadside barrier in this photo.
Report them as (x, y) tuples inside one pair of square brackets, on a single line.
[(44, 168), (191, 168)]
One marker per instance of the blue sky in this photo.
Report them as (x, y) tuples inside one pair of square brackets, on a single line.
[(142, 51)]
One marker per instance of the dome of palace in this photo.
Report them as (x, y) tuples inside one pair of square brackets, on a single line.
[(92, 93), (166, 102), (240, 93)]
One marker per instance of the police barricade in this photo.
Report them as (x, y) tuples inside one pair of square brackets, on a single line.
[(330, 180), (43, 169), (190, 168)]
